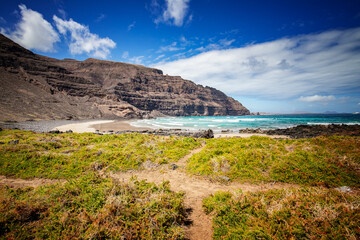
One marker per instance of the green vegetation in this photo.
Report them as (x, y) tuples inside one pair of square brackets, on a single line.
[(322, 161), (70, 155), (306, 213), (92, 208), (89, 205)]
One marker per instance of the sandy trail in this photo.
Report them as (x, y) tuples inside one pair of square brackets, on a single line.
[(196, 188), (21, 183)]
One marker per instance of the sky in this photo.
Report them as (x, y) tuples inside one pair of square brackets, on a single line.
[(273, 56)]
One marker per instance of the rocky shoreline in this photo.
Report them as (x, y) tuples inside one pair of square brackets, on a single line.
[(310, 131), (297, 132)]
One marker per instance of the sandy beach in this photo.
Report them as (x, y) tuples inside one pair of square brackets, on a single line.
[(125, 125), (82, 127), (118, 125)]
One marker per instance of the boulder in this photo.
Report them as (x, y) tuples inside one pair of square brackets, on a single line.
[(204, 134)]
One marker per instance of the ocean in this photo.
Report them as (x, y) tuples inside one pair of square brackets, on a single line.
[(241, 122)]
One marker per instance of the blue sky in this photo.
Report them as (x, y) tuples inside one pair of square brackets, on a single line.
[(272, 56)]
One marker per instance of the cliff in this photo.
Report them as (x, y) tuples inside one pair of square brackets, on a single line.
[(36, 87)]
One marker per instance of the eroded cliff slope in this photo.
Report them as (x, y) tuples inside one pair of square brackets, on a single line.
[(37, 87)]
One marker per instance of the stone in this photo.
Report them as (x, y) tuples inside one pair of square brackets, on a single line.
[(55, 131), (204, 134), (13, 142), (97, 166), (225, 178), (311, 131), (173, 166), (344, 189)]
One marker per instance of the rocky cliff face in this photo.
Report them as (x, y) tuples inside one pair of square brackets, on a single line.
[(38, 87)]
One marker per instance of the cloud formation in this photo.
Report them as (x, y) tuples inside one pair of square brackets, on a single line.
[(315, 64), (170, 48), (82, 40), (33, 31), (317, 98), (174, 13), (223, 43), (131, 26), (137, 60)]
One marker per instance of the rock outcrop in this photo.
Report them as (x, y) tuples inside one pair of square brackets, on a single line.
[(34, 87), (310, 131)]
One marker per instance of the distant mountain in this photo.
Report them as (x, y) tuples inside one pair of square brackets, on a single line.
[(34, 87), (331, 112)]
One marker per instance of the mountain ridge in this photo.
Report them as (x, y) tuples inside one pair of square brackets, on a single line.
[(36, 87)]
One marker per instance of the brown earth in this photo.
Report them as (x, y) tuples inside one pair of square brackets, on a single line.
[(196, 188), (35, 87), (21, 183)]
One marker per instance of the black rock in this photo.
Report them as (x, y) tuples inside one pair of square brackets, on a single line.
[(310, 131), (55, 131), (69, 131), (173, 166), (204, 134), (14, 142)]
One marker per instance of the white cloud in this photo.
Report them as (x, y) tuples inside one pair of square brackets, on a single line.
[(100, 18), (222, 44), (160, 56), (125, 54), (183, 39), (82, 40), (137, 60), (62, 13), (317, 98), (169, 48), (325, 64), (2, 20), (175, 12), (131, 26), (33, 31)]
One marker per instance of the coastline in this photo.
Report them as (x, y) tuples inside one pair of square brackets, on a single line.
[(102, 126), (81, 127), (113, 126), (117, 125)]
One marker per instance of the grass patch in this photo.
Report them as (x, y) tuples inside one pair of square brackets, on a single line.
[(69, 155), (90, 207), (328, 161), (306, 213)]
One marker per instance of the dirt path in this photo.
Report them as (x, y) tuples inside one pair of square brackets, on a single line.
[(195, 189), (182, 161), (21, 183)]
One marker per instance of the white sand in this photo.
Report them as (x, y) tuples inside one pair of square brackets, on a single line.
[(81, 127), (123, 125)]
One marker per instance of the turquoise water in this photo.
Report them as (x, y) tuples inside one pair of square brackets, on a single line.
[(241, 122)]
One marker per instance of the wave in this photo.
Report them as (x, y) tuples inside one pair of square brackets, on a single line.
[(240, 122)]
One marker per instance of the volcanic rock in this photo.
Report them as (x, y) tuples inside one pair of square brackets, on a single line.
[(34, 87), (310, 131), (204, 134)]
